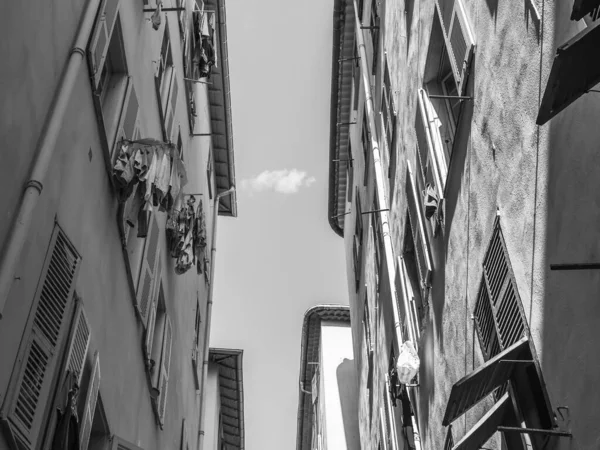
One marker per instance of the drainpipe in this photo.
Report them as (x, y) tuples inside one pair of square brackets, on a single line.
[(388, 249), (213, 253), (33, 188)]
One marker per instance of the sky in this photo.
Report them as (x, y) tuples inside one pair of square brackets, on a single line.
[(279, 257)]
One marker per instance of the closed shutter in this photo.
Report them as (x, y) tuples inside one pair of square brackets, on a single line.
[(41, 353), (79, 344), (484, 323), (423, 255), (462, 44), (165, 365), (145, 288), (510, 322), (99, 42), (90, 404)]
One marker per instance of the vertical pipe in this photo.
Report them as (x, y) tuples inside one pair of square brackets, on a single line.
[(381, 197), (47, 142), (213, 254)]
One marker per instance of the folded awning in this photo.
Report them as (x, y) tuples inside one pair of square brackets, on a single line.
[(471, 389), (582, 8), (575, 70), (486, 426)]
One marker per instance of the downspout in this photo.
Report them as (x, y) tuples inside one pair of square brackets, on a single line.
[(213, 253), (33, 188), (388, 249)]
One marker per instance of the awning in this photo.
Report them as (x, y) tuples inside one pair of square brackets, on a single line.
[(583, 7), (486, 426), (575, 70), (471, 389)]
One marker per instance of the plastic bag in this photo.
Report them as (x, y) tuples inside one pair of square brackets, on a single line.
[(407, 363)]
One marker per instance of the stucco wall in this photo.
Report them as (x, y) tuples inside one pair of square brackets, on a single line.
[(79, 196), (541, 180)]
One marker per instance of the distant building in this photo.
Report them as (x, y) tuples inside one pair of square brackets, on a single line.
[(327, 402), (224, 415), (106, 267), (464, 180)]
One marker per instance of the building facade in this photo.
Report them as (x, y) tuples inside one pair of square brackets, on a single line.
[(224, 415), (462, 179), (118, 118), (327, 401)]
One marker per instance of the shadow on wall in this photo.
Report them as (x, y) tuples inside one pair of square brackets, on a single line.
[(348, 390), (569, 310)]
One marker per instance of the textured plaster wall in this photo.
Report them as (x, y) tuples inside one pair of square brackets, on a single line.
[(541, 180), (338, 385), (78, 195)]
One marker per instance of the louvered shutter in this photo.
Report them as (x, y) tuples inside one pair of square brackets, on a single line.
[(90, 404), (510, 322), (149, 338), (100, 40), (474, 387), (435, 160), (145, 288), (462, 44), (33, 382), (407, 305), (165, 365), (78, 344), (423, 255), (389, 416), (484, 323)]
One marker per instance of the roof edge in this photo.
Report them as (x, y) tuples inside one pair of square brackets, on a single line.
[(335, 68)]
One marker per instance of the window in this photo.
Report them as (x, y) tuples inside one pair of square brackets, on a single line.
[(179, 143), (377, 241), (100, 433), (415, 221), (158, 342), (368, 358), (209, 174), (115, 99), (388, 420), (356, 76), (150, 271), (445, 78), (349, 174), (374, 26), (407, 285), (196, 355), (33, 380), (360, 9), (366, 145), (167, 86), (388, 118), (358, 238)]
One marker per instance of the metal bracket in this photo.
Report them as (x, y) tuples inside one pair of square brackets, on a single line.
[(164, 9), (534, 431), (375, 211), (575, 266), (451, 97)]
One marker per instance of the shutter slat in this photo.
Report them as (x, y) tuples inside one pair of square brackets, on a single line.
[(79, 344), (462, 43), (90, 404)]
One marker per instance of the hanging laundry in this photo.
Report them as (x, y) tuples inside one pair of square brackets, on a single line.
[(431, 201), (155, 19)]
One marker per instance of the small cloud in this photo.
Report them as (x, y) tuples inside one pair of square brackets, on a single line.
[(283, 181)]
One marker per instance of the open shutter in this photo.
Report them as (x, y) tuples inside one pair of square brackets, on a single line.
[(486, 426), (435, 166), (484, 323), (171, 108), (78, 344), (145, 288), (149, 338), (423, 255), (33, 382), (130, 113), (471, 389), (389, 415), (90, 404), (99, 42), (165, 365), (575, 70), (462, 44), (196, 361)]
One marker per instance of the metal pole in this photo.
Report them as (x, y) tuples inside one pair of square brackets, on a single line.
[(450, 97), (575, 266), (534, 431)]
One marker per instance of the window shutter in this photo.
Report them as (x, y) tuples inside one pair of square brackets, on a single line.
[(90, 404), (503, 292), (436, 161), (165, 365), (150, 330), (484, 323), (422, 252), (78, 345), (196, 362), (389, 416), (171, 108), (99, 42), (130, 113), (462, 44), (148, 269), (41, 354)]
